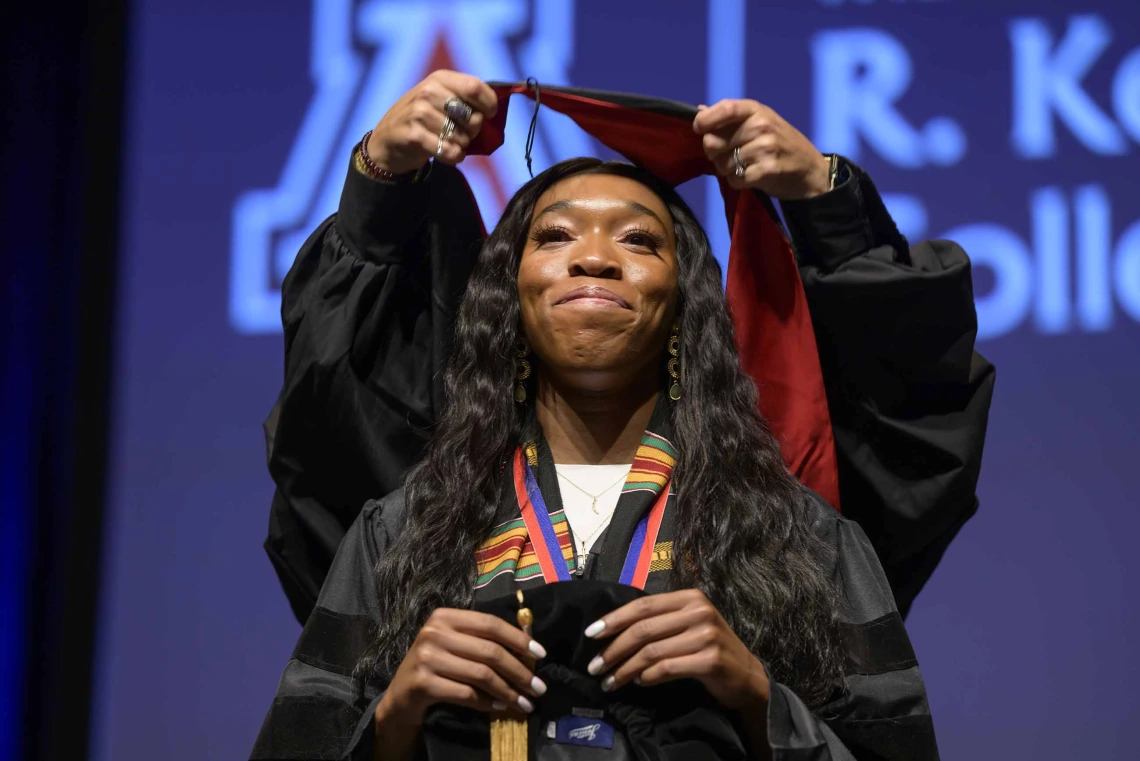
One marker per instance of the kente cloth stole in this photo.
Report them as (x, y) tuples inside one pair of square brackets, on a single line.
[(536, 542)]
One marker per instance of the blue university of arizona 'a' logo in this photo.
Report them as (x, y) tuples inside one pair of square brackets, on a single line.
[(365, 55)]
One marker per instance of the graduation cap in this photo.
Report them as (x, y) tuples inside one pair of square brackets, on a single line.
[(665, 721), (769, 307)]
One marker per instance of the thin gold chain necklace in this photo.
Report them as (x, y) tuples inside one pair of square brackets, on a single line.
[(582, 553), (593, 497)]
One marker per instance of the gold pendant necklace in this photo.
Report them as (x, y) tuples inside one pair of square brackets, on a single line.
[(594, 497), (583, 553)]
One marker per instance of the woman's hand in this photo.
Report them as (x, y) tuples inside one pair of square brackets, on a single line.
[(462, 657), (778, 160), (408, 135), (679, 635)]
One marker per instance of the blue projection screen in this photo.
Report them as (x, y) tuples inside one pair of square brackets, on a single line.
[(1011, 127)]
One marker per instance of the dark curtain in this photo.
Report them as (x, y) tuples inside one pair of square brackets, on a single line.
[(62, 116)]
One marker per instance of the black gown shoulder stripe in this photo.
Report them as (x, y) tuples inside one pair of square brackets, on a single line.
[(907, 737), (316, 728), (333, 641), (878, 646)]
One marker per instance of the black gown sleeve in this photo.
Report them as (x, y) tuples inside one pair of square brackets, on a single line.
[(320, 711), (368, 310), (908, 396), (883, 714)]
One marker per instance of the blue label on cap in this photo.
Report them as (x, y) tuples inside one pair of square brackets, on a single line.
[(584, 730)]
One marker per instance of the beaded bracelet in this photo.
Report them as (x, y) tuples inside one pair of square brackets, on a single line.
[(365, 164)]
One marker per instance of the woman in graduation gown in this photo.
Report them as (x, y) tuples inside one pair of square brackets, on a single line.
[(593, 330), (369, 305)]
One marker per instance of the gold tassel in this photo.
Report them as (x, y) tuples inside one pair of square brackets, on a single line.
[(508, 732), (508, 738)]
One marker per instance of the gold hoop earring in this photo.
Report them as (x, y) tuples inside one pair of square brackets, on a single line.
[(522, 369), (674, 364)]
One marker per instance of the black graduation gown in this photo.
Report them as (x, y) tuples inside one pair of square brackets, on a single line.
[(369, 305), (321, 713)]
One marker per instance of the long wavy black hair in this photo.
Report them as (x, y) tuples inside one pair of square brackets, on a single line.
[(743, 534)]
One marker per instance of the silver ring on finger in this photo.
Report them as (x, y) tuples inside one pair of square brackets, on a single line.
[(738, 165), (444, 135), (458, 109)]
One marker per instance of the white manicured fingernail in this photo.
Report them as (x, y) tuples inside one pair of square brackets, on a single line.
[(537, 685), (596, 666), (525, 704), (537, 650), (498, 705), (595, 628), (607, 684)]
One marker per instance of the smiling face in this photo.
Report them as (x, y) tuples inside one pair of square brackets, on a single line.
[(598, 281)]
